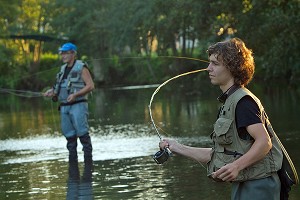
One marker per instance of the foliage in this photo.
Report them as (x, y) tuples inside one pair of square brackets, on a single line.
[(6, 68), (50, 66), (148, 30), (274, 38)]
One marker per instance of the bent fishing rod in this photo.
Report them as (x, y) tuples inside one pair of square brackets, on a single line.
[(162, 156)]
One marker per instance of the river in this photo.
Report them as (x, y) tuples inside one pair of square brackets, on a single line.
[(33, 156)]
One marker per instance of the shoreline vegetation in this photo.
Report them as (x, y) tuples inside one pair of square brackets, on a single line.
[(129, 42)]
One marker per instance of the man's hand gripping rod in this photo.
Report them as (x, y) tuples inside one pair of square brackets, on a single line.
[(161, 156)]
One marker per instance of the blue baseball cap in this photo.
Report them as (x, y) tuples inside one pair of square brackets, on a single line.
[(68, 47)]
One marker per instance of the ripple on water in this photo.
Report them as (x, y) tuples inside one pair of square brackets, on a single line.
[(109, 142)]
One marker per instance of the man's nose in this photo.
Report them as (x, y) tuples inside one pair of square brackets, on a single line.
[(208, 68)]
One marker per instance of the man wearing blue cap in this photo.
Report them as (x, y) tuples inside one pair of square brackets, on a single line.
[(73, 84)]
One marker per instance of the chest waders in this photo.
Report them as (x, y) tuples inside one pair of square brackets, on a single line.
[(74, 115)]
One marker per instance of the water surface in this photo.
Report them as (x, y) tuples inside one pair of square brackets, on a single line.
[(33, 156)]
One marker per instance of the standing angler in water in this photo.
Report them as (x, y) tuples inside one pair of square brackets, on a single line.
[(245, 151), (73, 84)]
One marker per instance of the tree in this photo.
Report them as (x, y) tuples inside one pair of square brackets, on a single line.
[(274, 38), (106, 31)]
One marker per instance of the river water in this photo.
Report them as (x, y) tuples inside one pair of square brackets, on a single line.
[(33, 156)]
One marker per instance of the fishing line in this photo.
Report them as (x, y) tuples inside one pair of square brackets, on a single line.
[(53, 117), (158, 88), (21, 93), (29, 94), (26, 93), (156, 91), (162, 156), (139, 57), (41, 72)]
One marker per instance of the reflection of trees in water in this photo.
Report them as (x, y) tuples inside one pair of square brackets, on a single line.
[(80, 187)]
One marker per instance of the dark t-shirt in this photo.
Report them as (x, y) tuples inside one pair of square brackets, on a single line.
[(67, 71), (246, 114)]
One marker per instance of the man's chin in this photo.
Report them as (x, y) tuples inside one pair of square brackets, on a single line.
[(213, 82)]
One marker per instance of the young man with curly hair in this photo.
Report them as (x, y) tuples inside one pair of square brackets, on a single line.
[(245, 151)]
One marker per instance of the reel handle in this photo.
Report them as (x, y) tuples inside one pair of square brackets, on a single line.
[(169, 151)]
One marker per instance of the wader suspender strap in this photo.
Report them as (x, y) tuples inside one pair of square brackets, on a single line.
[(60, 81)]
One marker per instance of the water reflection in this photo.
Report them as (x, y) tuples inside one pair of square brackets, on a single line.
[(80, 187), (33, 157)]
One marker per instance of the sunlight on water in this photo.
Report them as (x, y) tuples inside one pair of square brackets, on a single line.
[(109, 142)]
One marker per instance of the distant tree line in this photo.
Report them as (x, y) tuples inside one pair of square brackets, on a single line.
[(135, 41)]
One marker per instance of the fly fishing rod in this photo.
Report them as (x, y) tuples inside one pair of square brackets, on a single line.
[(21, 93), (162, 156)]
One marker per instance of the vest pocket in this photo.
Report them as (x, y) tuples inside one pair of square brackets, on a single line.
[(74, 79), (218, 160), (223, 134)]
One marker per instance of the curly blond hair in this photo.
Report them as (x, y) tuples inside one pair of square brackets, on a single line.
[(236, 57)]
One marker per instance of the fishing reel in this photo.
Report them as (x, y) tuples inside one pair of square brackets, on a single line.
[(162, 156), (55, 98)]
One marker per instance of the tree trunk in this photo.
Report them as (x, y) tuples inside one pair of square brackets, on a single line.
[(98, 71)]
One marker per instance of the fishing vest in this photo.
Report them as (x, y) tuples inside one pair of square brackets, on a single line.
[(228, 146), (73, 83)]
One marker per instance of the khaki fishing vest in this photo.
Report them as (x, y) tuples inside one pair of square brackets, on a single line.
[(72, 84), (228, 146)]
